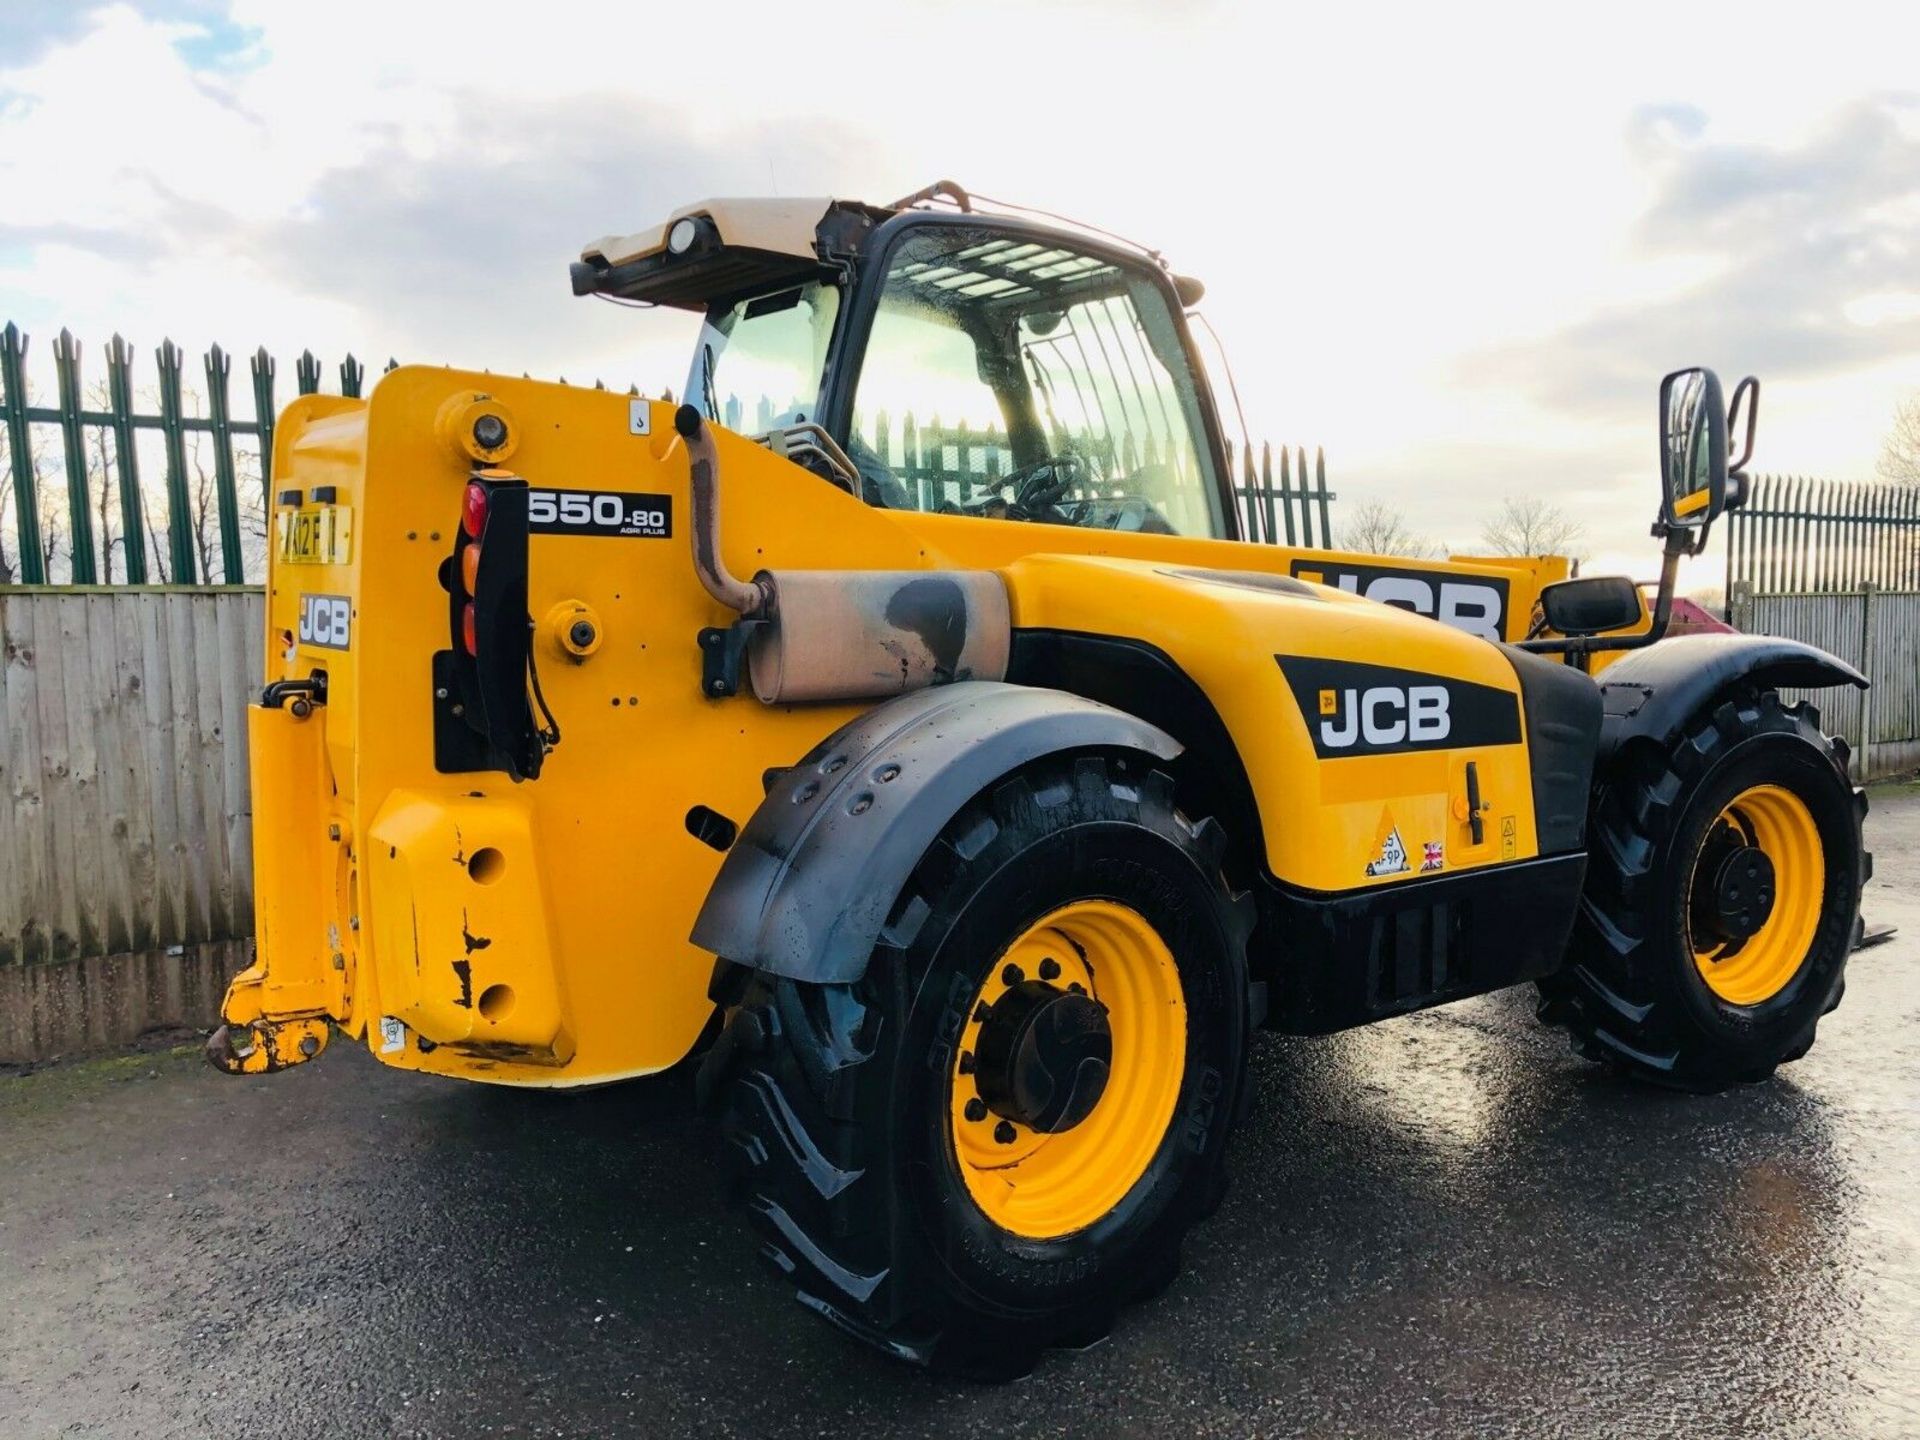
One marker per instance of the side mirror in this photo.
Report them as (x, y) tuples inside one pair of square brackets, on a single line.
[(1693, 453), (1591, 605)]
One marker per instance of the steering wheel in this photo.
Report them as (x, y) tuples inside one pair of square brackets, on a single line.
[(1040, 486)]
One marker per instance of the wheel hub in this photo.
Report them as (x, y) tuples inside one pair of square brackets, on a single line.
[(1743, 893), (1043, 1057)]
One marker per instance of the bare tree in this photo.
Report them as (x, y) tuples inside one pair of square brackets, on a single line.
[(1900, 450), (1533, 525), (1375, 528), (102, 471)]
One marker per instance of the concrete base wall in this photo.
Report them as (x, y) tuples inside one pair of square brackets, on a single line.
[(72, 1006)]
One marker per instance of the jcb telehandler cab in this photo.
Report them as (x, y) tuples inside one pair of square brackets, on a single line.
[(943, 763)]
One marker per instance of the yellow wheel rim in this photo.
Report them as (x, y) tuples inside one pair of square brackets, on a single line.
[(1753, 969), (1043, 1186)]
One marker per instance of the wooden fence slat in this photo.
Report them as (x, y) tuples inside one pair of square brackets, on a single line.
[(135, 727), (177, 655), (56, 778), (173, 893), (15, 769)]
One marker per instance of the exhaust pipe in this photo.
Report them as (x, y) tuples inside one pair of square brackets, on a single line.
[(751, 600), (847, 634)]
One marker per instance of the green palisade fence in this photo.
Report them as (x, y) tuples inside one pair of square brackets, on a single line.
[(114, 432), (199, 537)]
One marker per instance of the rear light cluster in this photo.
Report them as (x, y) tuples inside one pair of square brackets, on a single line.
[(473, 522)]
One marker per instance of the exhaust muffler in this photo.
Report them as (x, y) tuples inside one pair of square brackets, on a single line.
[(846, 634)]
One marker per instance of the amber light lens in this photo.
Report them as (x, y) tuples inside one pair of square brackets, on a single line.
[(466, 630), (470, 569), (473, 510)]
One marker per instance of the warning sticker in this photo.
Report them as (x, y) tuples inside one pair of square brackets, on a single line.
[(1390, 857), (393, 1035)]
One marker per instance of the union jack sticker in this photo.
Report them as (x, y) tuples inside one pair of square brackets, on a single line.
[(1435, 857)]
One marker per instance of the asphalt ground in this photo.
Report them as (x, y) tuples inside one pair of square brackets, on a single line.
[(1443, 1225)]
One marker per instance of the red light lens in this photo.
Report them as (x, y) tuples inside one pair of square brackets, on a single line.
[(473, 511), (466, 630), (470, 569)]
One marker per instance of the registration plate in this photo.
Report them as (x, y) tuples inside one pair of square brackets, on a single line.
[(315, 535)]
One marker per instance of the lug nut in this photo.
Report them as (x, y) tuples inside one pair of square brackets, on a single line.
[(1012, 975), (489, 432), (1004, 1131), (976, 1110), (1049, 969), (966, 1062)]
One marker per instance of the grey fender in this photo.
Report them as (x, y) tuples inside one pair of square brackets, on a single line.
[(807, 886), (1654, 693)]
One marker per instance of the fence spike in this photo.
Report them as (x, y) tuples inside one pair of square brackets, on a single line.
[(225, 482), (26, 503), (73, 441), (182, 563), (133, 519)]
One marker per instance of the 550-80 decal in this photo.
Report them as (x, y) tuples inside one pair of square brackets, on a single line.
[(632, 514)]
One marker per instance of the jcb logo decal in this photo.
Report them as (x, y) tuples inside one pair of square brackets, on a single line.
[(1385, 715), (326, 621), (1357, 709), (1471, 603)]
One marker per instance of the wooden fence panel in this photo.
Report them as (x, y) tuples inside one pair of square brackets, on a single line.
[(1878, 633), (124, 812)]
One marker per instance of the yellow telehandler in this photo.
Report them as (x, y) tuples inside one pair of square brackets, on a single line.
[(961, 808)]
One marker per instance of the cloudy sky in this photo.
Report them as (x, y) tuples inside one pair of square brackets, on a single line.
[(1455, 244)]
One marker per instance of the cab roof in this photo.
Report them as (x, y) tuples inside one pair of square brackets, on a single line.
[(742, 244)]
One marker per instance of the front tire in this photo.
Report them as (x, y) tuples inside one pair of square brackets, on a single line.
[(1722, 890), (1002, 1131)]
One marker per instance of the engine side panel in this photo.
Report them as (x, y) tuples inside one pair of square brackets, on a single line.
[(1356, 722)]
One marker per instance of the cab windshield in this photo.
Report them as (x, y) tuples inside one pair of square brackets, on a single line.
[(757, 365), (1019, 378)]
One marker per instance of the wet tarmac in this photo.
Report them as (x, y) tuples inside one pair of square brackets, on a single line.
[(1444, 1225)]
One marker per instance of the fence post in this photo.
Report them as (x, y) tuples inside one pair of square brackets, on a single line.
[(226, 487), (1740, 606), (66, 365), (26, 506), (1320, 493), (263, 417), (1866, 669), (133, 520), (182, 563)]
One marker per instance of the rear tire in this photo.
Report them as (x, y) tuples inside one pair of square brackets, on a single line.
[(850, 1115), (1659, 983)]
